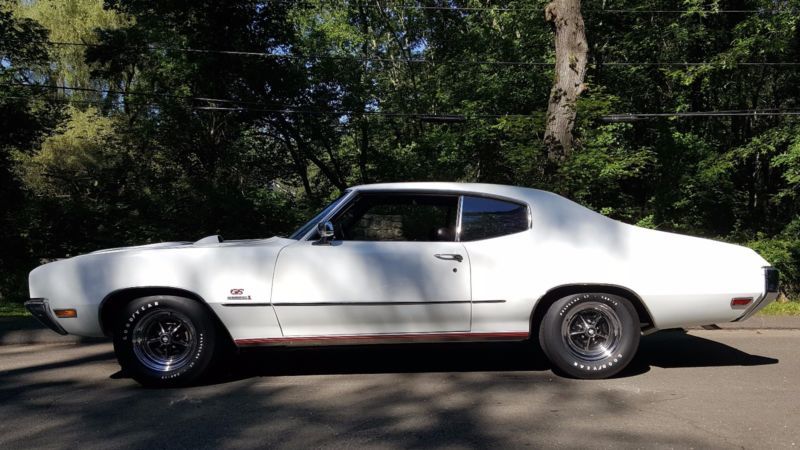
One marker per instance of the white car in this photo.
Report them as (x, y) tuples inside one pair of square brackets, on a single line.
[(406, 262)]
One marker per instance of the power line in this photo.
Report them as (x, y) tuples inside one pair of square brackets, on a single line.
[(629, 117), (308, 57), (250, 106), (404, 6), (70, 100), (697, 63), (596, 11), (296, 110), (429, 61), (458, 118), (136, 93), (691, 11)]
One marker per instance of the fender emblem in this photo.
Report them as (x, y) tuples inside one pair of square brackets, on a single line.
[(238, 294)]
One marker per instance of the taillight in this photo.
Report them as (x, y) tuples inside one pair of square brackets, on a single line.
[(741, 302)]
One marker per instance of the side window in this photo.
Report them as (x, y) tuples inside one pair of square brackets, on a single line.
[(483, 218), (398, 217)]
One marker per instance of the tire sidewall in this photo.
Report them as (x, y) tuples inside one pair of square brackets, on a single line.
[(139, 308), (565, 360)]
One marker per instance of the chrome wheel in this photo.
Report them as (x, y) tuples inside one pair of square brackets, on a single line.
[(164, 340), (592, 331)]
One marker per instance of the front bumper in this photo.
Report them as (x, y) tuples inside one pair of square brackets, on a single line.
[(40, 309)]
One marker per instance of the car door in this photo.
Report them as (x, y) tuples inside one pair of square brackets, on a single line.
[(392, 267)]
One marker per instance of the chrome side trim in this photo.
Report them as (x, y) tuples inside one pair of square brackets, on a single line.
[(383, 339), (445, 302)]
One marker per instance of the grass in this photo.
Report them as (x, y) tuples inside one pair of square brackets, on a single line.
[(13, 310), (784, 308)]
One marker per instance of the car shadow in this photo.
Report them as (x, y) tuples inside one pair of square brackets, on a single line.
[(665, 349), (375, 359), (677, 348)]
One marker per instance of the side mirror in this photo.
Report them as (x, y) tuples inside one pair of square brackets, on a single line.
[(325, 231)]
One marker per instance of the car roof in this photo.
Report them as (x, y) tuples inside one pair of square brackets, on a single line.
[(500, 190), (550, 211)]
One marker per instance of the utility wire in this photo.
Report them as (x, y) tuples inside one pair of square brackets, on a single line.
[(314, 57), (594, 11), (137, 93), (429, 61), (454, 118), (405, 6), (629, 117), (295, 110)]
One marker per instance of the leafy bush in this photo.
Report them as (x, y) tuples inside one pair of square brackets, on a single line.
[(783, 253)]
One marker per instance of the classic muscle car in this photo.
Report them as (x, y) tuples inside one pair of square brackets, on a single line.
[(406, 262)]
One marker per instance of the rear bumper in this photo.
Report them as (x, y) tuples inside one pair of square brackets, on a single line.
[(772, 278), (771, 291), (40, 309)]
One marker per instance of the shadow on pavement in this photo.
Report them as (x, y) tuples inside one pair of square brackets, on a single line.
[(666, 349), (465, 395), (677, 348), (370, 359)]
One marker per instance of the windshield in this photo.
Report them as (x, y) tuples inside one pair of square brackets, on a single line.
[(302, 231)]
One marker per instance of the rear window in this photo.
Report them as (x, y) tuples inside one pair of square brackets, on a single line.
[(483, 218)]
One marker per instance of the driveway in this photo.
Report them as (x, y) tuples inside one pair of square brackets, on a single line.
[(716, 388)]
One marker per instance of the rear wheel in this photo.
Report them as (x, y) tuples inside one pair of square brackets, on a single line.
[(164, 340), (592, 335)]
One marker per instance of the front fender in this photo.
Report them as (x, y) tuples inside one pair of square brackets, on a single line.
[(220, 275)]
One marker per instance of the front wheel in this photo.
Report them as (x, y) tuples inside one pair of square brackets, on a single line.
[(592, 335), (164, 341)]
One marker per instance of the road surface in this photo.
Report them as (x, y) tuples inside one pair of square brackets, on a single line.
[(717, 388)]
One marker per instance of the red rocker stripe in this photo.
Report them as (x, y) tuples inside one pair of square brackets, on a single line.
[(385, 337)]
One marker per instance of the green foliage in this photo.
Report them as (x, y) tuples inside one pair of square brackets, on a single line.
[(206, 152), (23, 122), (72, 21), (72, 159), (783, 252)]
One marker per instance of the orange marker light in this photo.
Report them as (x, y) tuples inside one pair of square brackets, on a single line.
[(65, 313)]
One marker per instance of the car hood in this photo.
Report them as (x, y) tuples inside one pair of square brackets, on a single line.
[(203, 243)]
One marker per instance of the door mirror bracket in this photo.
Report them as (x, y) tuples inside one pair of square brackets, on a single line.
[(325, 231)]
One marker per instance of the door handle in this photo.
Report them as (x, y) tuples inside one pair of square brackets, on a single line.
[(450, 256)]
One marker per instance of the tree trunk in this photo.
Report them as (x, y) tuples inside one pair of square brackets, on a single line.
[(570, 70)]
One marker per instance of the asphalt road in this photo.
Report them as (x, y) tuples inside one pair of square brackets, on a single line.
[(701, 389)]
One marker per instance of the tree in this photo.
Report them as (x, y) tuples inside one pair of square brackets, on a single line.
[(72, 22), (23, 121), (195, 142), (570, 70)]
